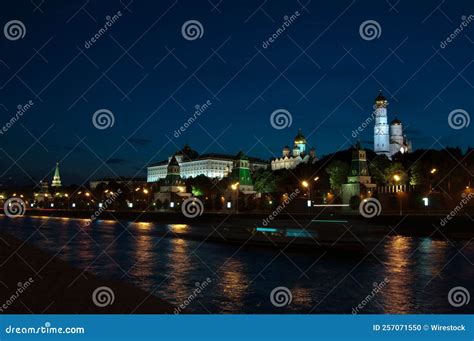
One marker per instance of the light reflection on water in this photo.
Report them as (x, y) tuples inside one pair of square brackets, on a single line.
[(420, 271)]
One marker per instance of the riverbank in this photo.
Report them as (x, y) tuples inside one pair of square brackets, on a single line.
[(417, 225), (35, 282)]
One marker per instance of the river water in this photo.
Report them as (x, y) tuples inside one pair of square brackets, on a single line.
[(402, 275)]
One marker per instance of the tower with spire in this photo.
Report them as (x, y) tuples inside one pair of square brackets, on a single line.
[(381, 129), (56, 178)]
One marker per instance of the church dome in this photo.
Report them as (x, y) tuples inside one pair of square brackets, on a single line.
[(396, 121), (380, 97), (300, 139)]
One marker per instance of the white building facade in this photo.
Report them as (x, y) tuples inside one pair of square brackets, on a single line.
[(299, 154), (191, 165)]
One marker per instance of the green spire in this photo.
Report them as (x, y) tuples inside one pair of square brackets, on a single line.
[(56, 178)]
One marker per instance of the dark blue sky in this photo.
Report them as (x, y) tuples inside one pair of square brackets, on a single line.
[(151, 78)]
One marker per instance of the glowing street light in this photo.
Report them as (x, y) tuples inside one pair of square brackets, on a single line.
[(316, 178), (434, 170), (397, 177), (305, 184), (145, 191)]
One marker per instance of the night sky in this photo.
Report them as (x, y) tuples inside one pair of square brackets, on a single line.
[(151, 78)]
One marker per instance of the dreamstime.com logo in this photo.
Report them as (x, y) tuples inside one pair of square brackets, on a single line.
[(192, 30), (14, 207), (458, 296), (288, 20), (459, 119), (21, 110), (110, 20), (370, 208), (281, 207), (199, 288), (377, 288), (14, 30), (21, 288), (46, 329), (103, 296), (465, 200), (370, 30), (106, 203), (103, 119), (281, 119), (199, 109), (281, 297), (192, 207), (465, 22)]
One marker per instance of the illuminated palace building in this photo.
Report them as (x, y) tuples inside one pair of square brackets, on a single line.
[(192, 164), (388, 140), (293, 157)]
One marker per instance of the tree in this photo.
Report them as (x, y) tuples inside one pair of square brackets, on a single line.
[(337, 171), (377, 168), (264, 182), (396, 171), (416, 174)]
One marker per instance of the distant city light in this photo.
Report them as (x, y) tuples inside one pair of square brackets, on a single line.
[(308, 203), (73, 205), (172, 204), (229, 204), (100, 204), (130, 205), (52, 205)]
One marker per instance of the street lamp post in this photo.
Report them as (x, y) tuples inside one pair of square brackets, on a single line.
[(308, 193), (397, 179), (235, 187)]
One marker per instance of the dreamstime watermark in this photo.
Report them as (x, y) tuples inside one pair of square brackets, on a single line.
[(14, 30), (464, 201), (281, 207), (458, 296), (21, 110), (459, 119), (200, 109), (103, 119), (281, 296), (370, 207), (377, 288), (21, 288), (192, 207), (281, 119), (370, 30), (199, 288), (192, 30), (466, 20), (103, 206), (103, 296), (110, 21), (288, 20), (46, 329), (14, 207), (363, 125)]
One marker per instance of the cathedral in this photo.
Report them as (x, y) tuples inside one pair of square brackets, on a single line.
[(299, 154), (388, 140)]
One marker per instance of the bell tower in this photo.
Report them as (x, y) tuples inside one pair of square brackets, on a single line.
[(381, 128)]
